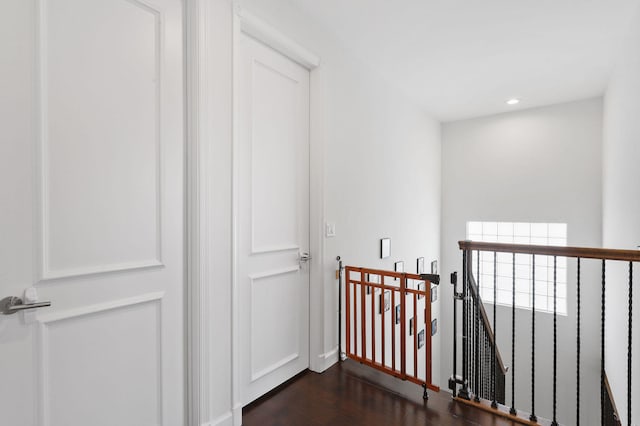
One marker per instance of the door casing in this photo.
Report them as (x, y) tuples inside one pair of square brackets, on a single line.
[(200, 205)]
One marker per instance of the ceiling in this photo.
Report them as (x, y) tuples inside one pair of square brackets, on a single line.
[(464, 58)]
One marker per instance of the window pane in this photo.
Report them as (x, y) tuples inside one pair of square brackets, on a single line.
[(521, 233), (562, 291), (523, 271), (487, 297), (538, 241), (490, 228), (486, 256), (523, 300), (562, 306), (505, 269), (558, 230), (504, 283), (541, 303), (561, 262), (505, 239), (486, 268), (504, 297), (522, 229), (474, 228), (539, 230), (557, 242), (505, 228), (523, 285)]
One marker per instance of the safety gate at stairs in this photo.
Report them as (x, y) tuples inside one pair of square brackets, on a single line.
[(388, 324)]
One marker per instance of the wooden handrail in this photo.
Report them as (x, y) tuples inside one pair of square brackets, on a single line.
[(582, 252), (485, 319)]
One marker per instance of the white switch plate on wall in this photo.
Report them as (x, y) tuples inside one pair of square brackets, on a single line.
[(329, 229)]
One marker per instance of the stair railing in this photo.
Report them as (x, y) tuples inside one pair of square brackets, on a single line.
[(483, 371), (482, 383)]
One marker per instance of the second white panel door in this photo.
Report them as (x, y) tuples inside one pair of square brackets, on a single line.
[(273, 217)]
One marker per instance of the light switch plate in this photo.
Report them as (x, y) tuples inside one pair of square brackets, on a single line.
[(330, 229)]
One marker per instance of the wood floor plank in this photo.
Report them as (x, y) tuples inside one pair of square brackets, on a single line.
[(350, 394)]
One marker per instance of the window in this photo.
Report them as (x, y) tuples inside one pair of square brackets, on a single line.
[(554, 234)]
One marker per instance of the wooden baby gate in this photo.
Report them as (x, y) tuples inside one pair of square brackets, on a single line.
[(388, 324)]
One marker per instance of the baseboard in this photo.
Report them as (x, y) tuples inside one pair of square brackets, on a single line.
[(225, 419), (325, 360), (237, 415)]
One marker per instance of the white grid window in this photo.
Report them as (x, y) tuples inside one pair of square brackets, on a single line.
[(553, 234)]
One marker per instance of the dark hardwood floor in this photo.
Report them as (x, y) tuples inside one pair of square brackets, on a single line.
[(351, 394)]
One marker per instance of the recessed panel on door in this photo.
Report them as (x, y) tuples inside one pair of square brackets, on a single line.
[(76, 383), (274, 154), (100, 136), (274, 337)]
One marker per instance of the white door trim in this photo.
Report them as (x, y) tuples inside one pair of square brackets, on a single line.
[(244, 22), (199, 214), (200, 207), (260, 30), (200, 210)]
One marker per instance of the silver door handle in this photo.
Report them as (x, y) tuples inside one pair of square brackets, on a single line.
[(10, 305), (305, 257)]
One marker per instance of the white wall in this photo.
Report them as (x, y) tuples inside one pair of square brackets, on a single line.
[(381, 156), (621, 212), (536, 165)]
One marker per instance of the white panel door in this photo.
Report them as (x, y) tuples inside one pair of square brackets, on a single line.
[(91, 196), (273, 217)]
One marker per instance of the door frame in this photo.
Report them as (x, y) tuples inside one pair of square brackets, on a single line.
[(200, 117)]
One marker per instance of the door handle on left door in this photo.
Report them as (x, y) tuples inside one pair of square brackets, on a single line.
[(10, 305)]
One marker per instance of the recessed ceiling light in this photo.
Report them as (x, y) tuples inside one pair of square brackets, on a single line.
[(513, 101)]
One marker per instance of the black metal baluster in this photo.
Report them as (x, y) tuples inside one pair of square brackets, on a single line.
[(555, 344), (485, 382), (602, 312), (533, 417), (513, 411), (494, 403), (464, 392), (470, 318), (472, 348), (477, 335), (578, 352), (629, 344), (469, 341), (478, 274), (465, 336), (480, 374), (455, 323)]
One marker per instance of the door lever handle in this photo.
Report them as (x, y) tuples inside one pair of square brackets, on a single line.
[(10, 305), (305, 257)]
